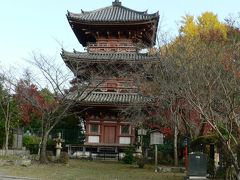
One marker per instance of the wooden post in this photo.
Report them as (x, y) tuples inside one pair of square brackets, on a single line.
[(156, 158), (84, 151), (156, 138), (186, 156)]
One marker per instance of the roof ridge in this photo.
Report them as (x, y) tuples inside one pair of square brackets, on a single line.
[(139, 12), (112, 6), (96, 10), (87, 12)]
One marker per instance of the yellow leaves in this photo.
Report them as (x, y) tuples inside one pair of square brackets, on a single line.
[(190, 27), (206, 27)]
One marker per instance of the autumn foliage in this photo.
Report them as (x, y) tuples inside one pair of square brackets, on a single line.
[(33, 103), (207, 27)]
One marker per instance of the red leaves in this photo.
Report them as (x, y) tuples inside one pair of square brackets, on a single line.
[(32, 102)]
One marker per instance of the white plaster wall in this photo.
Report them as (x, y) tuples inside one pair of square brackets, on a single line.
[(93, 139), (125, 140)]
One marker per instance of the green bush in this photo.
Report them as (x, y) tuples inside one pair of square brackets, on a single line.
[(129, 158), (2, 137), (166, 148), (165, 153), (238, 154), (165, 159), (64, 158), (141, 161), (31, 143), (28, 140), (200, 142)]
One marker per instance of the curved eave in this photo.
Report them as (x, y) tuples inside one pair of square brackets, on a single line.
[(111, 99), (120, 105), (155, 31), (105, 57), (116, 104), (75, 19), (112, 14), (66, 60), (109, 7)]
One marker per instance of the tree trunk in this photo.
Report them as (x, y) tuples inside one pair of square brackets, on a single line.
[(43, 155), (235, 161), (175, 145), (238, 176), (6, 141), (6, 135)]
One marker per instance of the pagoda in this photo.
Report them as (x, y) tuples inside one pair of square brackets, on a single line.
[(113, 37)]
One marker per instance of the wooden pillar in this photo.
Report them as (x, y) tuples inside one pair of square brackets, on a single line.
[(87, 130), (133, 135), (117, 132), (101, 131)]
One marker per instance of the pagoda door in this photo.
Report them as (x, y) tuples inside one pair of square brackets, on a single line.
[(109, 134)]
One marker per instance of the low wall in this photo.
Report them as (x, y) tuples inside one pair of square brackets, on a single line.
[(14, 152)]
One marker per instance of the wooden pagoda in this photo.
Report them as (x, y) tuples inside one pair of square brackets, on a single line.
[(112, 37)]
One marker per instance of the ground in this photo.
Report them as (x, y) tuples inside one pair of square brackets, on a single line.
[(88, 170)]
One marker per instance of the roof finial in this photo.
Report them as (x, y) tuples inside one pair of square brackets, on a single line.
[(116, 3)]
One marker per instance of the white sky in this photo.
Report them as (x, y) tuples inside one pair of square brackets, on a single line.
[(30, 25)]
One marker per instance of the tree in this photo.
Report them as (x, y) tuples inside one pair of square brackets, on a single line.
[(9, 109), (208, 81), (50, 97), (207, 27), (199, 72), (51, 103)]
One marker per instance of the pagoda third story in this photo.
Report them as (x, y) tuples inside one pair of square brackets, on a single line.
[(112, 37)]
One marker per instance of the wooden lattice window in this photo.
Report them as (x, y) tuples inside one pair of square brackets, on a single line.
[(125, 129), (94, 128)]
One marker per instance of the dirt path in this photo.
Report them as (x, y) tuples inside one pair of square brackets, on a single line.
[(3, 177)]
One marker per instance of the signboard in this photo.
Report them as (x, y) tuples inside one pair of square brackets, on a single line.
[(156, 137)]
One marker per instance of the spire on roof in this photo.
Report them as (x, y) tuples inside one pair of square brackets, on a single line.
[(116, 3)]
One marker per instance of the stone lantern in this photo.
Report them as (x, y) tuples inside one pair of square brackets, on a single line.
[(141, 132), (58, 146)]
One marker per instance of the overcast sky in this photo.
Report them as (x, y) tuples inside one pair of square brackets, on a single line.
[(41, 25)]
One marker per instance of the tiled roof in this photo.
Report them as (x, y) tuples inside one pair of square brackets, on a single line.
[(112, 98), (113, 14), (108, 56)]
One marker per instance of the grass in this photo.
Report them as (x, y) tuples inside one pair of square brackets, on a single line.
[(10, 158), (89, 170)]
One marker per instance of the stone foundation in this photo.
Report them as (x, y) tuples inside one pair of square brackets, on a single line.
[(165, 169)]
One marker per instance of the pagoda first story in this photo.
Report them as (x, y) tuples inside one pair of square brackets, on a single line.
[(110, 92), (113, 37), (106, 128), (105, 108)]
